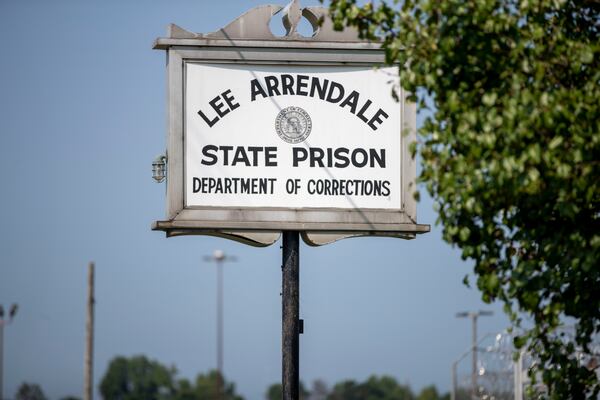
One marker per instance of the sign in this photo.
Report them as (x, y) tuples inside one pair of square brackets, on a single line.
[(269, 134), (291, 137)]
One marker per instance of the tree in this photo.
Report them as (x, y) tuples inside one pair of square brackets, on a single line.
[(30, 391), (319, 390), (511, 154), (384, 388), (345, 390), (374, 388), (137, 378), (206, 387), (185, 391), (431, 393), (275, 392)]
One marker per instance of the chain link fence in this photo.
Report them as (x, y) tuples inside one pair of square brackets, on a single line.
[(498, 375)]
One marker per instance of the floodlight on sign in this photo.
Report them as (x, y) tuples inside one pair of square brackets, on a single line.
[(159, 168)]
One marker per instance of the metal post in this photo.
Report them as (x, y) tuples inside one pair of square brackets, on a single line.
[(219, 258), (474, 350), (518, 371), (454, 382), (290, 315), (220, 328), (88, 392), (473, 316), (1, 359)]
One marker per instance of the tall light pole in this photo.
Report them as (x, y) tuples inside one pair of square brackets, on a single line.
[(11, 314), (88, 362), (219, 257), (474, 315)]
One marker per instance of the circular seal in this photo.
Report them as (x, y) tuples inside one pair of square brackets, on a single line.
[(293, 124)]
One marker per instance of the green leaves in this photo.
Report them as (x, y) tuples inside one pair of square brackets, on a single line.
[(519, 341), (489, 99), (512, 146), (139, 378)]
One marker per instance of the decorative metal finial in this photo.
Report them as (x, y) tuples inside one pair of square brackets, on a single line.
[(292, 14), (254, 25)]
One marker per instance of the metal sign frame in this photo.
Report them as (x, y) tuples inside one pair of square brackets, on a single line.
[(262, 226)]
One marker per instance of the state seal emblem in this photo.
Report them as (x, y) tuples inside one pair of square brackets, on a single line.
[(293, 124)]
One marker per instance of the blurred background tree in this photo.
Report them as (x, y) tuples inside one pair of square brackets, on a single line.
[(30, 391), (206, 387), (319, 390), (510, 153), (275, 392), (385, 388), (137, 378), (141, 378), (431, 393), (373, 388)]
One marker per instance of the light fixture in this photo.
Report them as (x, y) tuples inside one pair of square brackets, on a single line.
[(13, 310), (219, 255), (159, 168)]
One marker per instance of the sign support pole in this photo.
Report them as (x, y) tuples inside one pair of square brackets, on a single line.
[(290, 315)]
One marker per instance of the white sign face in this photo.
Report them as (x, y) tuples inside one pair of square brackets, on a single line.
[(291, 137)]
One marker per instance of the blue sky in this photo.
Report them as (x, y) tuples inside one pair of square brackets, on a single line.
[(82, 116)]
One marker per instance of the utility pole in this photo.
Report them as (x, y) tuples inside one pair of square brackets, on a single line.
[(473, 315), (292, 325), (219, 258), (88, 387), (11, 314), (454, 381), (1, 354)]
